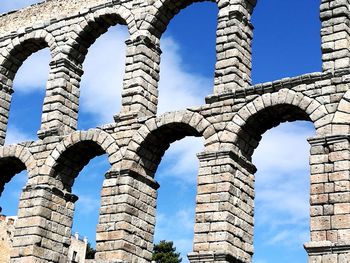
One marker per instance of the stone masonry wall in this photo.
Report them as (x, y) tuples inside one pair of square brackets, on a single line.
[(231, 121)]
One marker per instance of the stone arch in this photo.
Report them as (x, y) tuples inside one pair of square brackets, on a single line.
[(19, 49), (75, 151), (13, 160), (268, 111), (83, 35), (12, 57), (166, 10), (150, 142)]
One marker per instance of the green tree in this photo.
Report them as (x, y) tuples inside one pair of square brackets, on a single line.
[(164, 252), (90, 252)]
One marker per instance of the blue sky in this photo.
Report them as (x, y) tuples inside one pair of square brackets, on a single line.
[(286, 43)]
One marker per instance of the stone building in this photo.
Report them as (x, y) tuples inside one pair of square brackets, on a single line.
[(76, 251), (231, 122), (6, 237)]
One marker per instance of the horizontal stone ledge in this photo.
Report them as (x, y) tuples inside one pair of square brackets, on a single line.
[(240, 160), (144, 40), (135, 175), (69, 197), (328, 139), (67, 64), (326, 247), (125, 116), (52, 131), (274, 86)]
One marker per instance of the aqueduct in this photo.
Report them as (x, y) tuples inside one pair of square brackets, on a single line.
[(231, 122)]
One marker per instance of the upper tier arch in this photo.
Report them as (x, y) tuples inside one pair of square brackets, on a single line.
[(164, 11), (19, 49), (92, 26)]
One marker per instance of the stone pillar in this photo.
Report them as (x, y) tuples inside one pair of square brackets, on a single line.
[(43, 228), (335, 35), (140, 86), (60, 110), (127, 217), (330, 200), (233, 46), (5, 102), (224, 210)]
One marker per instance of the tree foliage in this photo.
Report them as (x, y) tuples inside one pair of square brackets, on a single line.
[(90, 252), (164, 252)]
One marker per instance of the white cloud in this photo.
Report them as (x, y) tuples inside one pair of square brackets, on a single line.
[(104, 68), (180, 160), (101, 84), (289, 237), (282, 185), (178, 88), (87, 204), (284, 149), (15, 135), (33, 74)]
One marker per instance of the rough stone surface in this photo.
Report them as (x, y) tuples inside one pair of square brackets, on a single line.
[(7, 229), (231, 122)]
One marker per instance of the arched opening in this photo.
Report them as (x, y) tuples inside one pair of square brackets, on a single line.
[(177, 174), (282, 185), (12, 169), (73, 160), (154, 146), (186, 71), (282, 182), (175, 169), (87, 207), (27, 101), (106, 59), (286, 39), (100, 96), (78, 174), (30, 85), (256, 125), (166, 13)]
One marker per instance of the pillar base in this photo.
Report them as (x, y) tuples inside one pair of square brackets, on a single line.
[(53, 131), (326, 251)]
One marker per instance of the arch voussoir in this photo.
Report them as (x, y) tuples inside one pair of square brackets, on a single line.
[(179, 123), (342, 115), (22, 154), (104, 140)]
